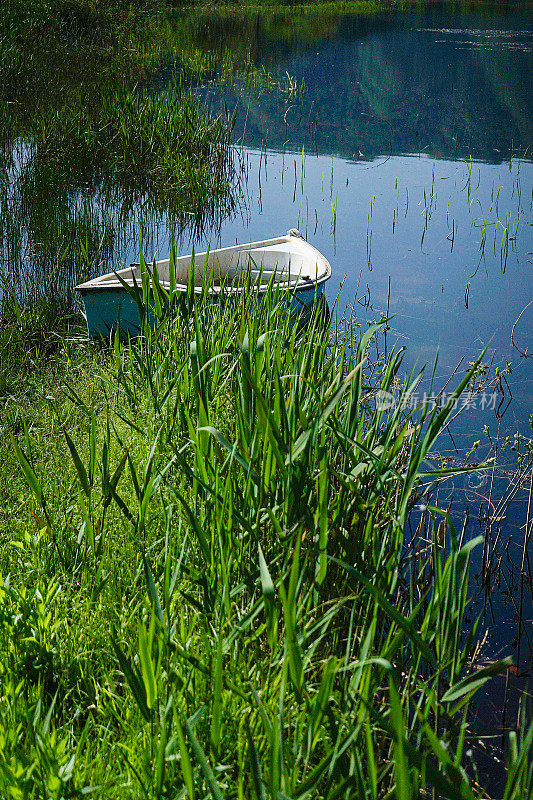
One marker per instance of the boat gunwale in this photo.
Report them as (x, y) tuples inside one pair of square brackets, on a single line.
[(97, 284)]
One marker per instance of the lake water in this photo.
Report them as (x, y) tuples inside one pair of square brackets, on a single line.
[(399, 144)]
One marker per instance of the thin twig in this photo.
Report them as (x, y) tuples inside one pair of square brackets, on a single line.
[(526, 538), (523, 353)]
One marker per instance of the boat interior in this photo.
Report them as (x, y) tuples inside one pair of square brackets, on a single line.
[(288, 260)]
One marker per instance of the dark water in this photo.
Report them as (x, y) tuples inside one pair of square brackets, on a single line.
[(400, 145), (432, 80)]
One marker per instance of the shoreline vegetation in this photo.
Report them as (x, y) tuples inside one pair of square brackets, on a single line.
[(204, 586)]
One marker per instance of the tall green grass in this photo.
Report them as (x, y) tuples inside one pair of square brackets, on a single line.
[(206, 589)]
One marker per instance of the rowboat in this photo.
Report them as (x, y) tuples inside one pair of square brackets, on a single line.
[(289, 262)]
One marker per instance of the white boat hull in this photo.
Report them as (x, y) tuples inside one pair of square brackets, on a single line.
[(296, 265)]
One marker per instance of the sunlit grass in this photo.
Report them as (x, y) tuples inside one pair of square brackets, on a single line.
[(209, 594)]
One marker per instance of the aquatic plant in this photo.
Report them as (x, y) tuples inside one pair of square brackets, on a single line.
[(82, 144), (208, 572)]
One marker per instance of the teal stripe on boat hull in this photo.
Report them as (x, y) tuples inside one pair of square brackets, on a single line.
[(105, 308)]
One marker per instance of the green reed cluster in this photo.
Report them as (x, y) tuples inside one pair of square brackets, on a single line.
[(206, 591), (136, 142), (83, 144)]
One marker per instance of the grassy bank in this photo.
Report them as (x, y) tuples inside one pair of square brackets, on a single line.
[(205, 591)]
